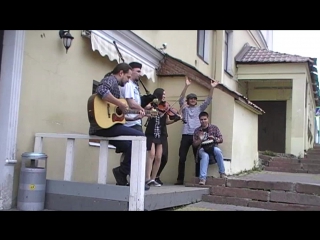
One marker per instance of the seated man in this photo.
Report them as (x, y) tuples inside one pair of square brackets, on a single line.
[(210, 134)]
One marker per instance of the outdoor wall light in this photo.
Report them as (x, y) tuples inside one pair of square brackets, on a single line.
[(66, 38)]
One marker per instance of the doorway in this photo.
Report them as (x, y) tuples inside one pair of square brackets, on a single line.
[(272, 126)]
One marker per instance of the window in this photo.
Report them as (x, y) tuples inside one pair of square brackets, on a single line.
[(203, 45), (228, 55)]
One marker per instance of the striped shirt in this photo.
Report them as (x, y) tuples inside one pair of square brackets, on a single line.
[(191, 115), (107, 85)]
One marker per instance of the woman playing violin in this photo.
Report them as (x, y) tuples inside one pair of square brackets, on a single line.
[(156, 133)]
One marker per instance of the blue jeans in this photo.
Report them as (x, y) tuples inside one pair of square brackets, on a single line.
[(204, 162)]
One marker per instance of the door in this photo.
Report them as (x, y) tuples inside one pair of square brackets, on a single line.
[(272, 126)]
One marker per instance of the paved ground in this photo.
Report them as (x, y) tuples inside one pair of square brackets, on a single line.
[(206, 206)]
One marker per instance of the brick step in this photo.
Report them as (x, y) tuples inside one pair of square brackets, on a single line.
[(312, 157), (262, 194), (315, 152), (288, 170), (258, 204), (312, 161), (293, 168)]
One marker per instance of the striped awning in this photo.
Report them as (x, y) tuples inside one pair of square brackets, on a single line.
[(103, 43)]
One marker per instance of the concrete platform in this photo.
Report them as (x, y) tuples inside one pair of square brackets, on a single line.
[(76, 196)]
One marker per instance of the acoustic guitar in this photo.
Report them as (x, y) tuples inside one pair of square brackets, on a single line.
[(105, 114)]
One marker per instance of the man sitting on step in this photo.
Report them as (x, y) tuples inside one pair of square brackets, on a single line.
[(206, 138)]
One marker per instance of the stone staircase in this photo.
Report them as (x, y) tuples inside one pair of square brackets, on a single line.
[(272, 195), (286, 183), (288, 163)]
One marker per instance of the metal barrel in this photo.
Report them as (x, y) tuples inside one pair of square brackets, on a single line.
[(32, 183)]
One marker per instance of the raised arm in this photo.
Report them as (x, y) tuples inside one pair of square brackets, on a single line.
[(184, 90), (208, 100)]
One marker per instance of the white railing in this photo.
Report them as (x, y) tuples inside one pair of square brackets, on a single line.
[(138, 162)]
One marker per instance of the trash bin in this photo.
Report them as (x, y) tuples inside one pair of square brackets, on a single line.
[(32, 183)]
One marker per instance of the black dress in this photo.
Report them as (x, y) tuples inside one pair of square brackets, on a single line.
[(156, 137)]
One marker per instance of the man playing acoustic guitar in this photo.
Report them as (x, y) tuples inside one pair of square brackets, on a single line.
[(108, 90), (202, 134)]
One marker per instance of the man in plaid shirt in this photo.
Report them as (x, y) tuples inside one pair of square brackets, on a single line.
[(205, 132)]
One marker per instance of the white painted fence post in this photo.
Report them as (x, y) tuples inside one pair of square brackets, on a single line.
[(38, 143), (137, 175), (103, 162), (68, 168)]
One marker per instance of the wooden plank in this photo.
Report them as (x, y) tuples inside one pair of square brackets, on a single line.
[(85, 136), (103, 162), (137, 175), (68, 169)]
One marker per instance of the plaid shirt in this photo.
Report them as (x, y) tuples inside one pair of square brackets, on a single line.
[(213, 130), (107, 85)]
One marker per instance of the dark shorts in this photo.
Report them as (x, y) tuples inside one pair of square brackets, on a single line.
[(152, 139)]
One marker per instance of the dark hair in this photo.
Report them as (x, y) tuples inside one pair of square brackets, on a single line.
[(204, 114), (158, 93), (125, 67)]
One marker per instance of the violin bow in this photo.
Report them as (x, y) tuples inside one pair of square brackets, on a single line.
[(169, 108)]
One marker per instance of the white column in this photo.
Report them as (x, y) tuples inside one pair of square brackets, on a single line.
[(10, 84), (298, 116)]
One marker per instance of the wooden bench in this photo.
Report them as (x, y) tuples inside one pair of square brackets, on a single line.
[(138, 161)]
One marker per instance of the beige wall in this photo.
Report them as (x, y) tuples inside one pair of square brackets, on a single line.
[(54, 93), (56, 87), (240, 37), (300, 114), (223, 116), (173, 87), (245, 139), (181, 44)]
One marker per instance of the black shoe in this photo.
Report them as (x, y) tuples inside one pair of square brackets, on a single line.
[(120, 177), (179, 182), (158, 180), (146, 186)]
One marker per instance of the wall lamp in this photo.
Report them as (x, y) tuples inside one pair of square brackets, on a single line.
[(66, 38)]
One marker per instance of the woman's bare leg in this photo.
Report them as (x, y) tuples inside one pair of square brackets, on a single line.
[(149, 162), (157, 161)]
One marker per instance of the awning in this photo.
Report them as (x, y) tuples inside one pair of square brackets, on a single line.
[(105, 46)]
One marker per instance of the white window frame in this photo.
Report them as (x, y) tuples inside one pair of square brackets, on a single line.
[(228, 50), (204, 42)]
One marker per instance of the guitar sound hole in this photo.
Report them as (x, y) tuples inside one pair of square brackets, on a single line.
[(118, 111)]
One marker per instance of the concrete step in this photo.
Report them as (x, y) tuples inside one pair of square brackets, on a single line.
[(293, 165), (282, 196)]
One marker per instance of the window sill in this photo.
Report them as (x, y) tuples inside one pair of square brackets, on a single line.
[(229, 73)]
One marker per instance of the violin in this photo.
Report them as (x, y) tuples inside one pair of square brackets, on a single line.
[(165, 107)]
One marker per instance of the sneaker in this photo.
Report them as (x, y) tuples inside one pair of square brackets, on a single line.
[(202, 182), (146, 187), (223, 175), (153, 182), (119, 176), (158, 180), (156, 183), (179, 182)]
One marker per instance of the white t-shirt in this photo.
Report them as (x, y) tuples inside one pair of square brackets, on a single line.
[(131, 91)]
